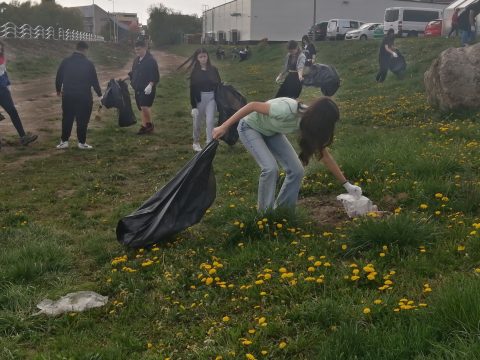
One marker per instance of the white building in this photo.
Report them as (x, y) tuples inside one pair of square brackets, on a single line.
[(282, 20)]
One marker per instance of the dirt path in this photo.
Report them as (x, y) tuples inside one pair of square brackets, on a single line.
[(40, 108)]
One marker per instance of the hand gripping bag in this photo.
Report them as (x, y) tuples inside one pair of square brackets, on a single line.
[(229, 101), (397, 65), (180, 204)]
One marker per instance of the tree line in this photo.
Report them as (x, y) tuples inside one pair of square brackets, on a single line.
[(47, 13), (167, 26)]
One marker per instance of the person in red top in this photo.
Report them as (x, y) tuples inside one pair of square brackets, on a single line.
[(454, 28), (6, 101)]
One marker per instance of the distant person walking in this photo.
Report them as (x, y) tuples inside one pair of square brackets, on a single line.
[(454, 25), (262, 128), (144, 78), (309, 51), (293, 69), (466, 23), (387, 50), (204, 80), (6, 101), (76, 76)]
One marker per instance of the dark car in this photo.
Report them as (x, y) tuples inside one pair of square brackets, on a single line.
[(318, 32)]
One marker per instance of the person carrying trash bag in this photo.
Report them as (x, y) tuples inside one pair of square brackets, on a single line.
[(181, 203), (204, 80), (387, 51), (6, 101), (293, 69), (262, 127), (144, 78)]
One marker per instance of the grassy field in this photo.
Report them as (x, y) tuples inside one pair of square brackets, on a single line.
[(240, 286)]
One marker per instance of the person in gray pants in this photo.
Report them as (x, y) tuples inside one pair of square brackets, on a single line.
[(204, 80)]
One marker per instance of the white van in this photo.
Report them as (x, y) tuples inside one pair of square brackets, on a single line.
[(409, 21), (337, 28)]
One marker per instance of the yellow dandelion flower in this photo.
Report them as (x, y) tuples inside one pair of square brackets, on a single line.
[(282, 345), (226, 319), (366, 310)]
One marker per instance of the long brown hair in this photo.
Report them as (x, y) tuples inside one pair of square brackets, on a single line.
[(317, 126)]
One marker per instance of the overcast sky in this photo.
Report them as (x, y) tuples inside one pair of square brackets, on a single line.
[(141, 6)]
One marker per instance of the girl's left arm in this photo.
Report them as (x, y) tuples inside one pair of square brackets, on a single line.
[(332, 166)]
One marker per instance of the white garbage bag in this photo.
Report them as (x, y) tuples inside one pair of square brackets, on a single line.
[(356, 206), (72, 302)]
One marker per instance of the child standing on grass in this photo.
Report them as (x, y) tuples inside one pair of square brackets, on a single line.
[(204, 80), (293, 68), (262, 128), (6, 101)]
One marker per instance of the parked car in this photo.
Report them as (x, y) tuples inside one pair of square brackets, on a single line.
[(378, 32), (364, 32), (409, 21), (337, 28), (434, 28), (318, 32)]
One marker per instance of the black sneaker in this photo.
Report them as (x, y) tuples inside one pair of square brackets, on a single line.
[(145, 129), (28, 138)]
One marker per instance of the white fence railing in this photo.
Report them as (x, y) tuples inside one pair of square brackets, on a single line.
[(10, 30)]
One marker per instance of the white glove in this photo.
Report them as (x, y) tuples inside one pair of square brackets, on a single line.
[(194, 113), (148, 89), (395, 55), (354, 190), (278, 79), (472, 28)]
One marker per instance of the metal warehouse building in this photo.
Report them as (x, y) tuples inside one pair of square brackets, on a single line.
[(281, 20)]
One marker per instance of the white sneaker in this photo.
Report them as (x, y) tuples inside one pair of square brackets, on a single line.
[(84, 146), (62, 145), (196, 147)]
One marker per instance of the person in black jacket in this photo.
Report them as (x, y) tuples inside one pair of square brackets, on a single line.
[(387, 51), (144, 78), (204, 80), (6, 101), (75, 78), (309, 51)]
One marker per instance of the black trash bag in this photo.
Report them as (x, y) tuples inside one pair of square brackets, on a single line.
[(178, 205), (126, 116), (397, 65), (113, 95), (324, 77), (229, 101)]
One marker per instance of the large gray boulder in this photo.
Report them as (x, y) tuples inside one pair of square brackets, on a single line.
[(453, 80)]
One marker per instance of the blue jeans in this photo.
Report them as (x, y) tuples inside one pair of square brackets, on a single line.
[(467, 37), (267, 151)]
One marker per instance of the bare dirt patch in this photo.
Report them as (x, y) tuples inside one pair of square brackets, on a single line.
[(326, 211)]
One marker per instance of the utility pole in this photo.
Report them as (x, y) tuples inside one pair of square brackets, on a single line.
[(314, 12), (93, 11)]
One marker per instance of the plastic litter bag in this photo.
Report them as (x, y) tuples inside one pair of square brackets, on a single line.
[(126, 116), (356, 206), (324, 77), (229, 101), (113, 95), (398, 65), (72, 302), (179, 204)]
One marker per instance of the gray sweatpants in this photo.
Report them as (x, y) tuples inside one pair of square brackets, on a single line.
[(206, 110)]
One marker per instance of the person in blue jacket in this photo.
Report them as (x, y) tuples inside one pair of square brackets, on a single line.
[(6, 101)]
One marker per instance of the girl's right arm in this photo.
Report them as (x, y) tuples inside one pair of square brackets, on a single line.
[(259, 107)]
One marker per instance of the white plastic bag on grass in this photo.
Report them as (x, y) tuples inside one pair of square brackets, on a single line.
[(356, 206), (72, 302)]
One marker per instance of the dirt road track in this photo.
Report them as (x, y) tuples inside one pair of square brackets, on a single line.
[(40, 108)]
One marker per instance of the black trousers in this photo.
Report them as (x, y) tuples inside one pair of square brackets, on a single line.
[(77, 109), (6, 102), (291, 87), (382, 72)]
